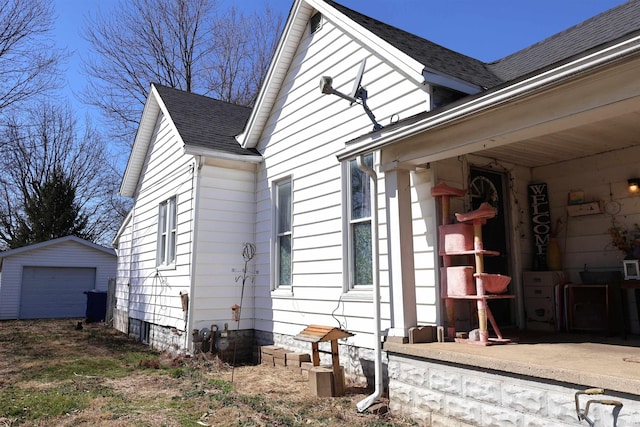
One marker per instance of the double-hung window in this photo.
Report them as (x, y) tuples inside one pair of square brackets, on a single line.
[(359, 248), (282, 248), (167, 220)]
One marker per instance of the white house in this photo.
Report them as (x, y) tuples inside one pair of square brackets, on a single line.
[(194, 191), (50, 279), (337, 198)]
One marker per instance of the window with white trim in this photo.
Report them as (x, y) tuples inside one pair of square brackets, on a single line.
[(283, 233), (167, 220), (359, 247)]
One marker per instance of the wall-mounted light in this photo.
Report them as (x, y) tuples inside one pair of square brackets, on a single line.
[(634, 185)]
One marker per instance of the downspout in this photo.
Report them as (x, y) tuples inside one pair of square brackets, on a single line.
[(371, 399), (195, 205)]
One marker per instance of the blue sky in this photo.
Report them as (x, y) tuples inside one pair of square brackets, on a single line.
[(483, 29)]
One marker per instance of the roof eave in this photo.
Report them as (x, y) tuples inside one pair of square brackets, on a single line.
[(152, 108), (116, 240), (218, 154), (494, 98), (294, 28), (11, 252), (439, 79), (140, 144)]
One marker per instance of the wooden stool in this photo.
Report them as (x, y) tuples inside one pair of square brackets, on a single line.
[(315, 334)]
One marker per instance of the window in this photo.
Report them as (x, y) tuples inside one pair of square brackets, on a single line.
[(359, 229), (145, 327), (283, 233), (167, 220)]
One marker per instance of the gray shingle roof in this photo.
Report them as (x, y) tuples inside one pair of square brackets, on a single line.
[(603, 28), (206, 122), (429, 54), (600, 29)]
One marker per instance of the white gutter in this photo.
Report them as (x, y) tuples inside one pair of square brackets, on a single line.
[(371, 399), (217, 154), (510, 93)]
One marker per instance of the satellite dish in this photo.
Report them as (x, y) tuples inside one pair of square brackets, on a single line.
[(358, 81), (358, 94)]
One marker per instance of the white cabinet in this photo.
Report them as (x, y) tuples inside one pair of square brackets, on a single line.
[(542, 290)]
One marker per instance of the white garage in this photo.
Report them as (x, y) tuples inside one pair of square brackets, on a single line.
[(51, 279)]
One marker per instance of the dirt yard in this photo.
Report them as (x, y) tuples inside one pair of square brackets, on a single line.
[(53, 374)]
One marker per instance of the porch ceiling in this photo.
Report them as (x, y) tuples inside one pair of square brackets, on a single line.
[(589, 139), (549, 118)]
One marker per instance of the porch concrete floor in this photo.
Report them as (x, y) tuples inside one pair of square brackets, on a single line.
[(584, 360)]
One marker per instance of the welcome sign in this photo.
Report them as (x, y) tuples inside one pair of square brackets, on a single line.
[(540, 224)]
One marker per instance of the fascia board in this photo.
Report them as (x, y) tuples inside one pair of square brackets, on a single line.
[(56, 241), (493, 99), (140, 145), (154, 105), (438, 79), (295, 27), (217, 154), (116, 239), (385, 51)]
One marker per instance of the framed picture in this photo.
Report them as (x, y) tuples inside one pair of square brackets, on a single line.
[(631, 269)]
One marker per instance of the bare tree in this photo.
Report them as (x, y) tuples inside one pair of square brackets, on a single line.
[(48, 147), (28, 57), (184, 44), (244, 45)]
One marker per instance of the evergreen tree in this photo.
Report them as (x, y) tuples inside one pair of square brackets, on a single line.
[(50, 211), (56, 180)]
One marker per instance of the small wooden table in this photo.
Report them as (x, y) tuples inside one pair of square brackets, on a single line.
[(315, 334)]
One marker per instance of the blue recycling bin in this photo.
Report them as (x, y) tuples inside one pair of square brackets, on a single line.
[(96, 306)]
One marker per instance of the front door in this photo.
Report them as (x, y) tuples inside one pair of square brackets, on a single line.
[(489, 186)]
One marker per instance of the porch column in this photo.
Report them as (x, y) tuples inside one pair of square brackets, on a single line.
[(400, 248)]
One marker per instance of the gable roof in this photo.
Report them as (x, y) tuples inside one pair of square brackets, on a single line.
[(204, 125), (576, 40), (53, 242), (603, 28), (294, 30), (205, 122), (586, 35), (433, 56)]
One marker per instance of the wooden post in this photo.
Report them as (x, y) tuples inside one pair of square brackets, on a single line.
[(315, 354), (335, 362)]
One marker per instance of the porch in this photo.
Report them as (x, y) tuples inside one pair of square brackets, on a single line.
[(586, 360), (531, 382)]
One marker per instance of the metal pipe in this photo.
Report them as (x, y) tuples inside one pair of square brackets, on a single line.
[(372, 398)]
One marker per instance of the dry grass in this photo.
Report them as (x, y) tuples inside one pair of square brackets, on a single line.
[(52, 374)]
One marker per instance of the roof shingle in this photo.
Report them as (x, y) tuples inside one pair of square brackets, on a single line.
[(598, 30), (206, 122), (606, 27)]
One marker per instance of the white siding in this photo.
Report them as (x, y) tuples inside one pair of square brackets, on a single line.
[(225, 220), (63, 254), (154, 293), (584, 240), (305, 131), (123, 278)]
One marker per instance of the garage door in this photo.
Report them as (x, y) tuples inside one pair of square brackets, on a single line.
[(55, 292)]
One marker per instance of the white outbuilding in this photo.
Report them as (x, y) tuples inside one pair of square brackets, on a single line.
[(51, 279)]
